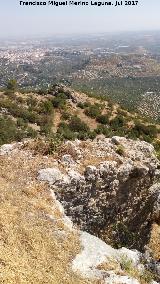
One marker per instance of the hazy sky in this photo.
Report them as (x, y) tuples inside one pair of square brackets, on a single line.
[(16, 20)]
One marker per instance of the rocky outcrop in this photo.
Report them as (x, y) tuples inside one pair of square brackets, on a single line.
[(95, 252), (110, 195), (74, 97), (102, 190)]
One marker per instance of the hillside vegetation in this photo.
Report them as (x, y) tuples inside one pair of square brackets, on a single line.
[(60, 113)]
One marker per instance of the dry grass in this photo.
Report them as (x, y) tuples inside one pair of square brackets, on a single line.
[(88, 158), (111, 265), (33, 247), (126, 268), (91, 122), (56, 120), (154, 243)]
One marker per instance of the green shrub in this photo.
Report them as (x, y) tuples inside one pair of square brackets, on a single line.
[(46, 107), (54, 143), (66, 133), (28, 116), (45, 120), (83, 135), (92, 135), (31, 133), (101, 129), (59, 101), (45, 129), (21, 122), (110, 104), (77, 125), (121, 131), (66, 116), (132, 135), (10, 93), (144, 277), (63, 125), (31, 101), (86, 135), (126, 264), (12, 85), (80, 105), (75, 129), (20, 100), (147, 138), (149, 130), (103, 119), (17, 111), (46, 124), (93, 111), (156, 145), (69, 135), (120, 150), (9, 131), (83, 105), (42, 92), (142, 131), (117, 122), (87, 104)]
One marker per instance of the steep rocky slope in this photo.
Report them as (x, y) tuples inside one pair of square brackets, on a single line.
[(108, 187)]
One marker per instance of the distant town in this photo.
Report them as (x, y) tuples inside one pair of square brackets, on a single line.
[(124, 67)]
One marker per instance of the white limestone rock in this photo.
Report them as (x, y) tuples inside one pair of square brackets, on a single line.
[(120, 280), (90, 172), (96, 252), (134, 256), (117, 140), (67, 159), (7, 148), (125, 170), (52, 175), (75, 177)]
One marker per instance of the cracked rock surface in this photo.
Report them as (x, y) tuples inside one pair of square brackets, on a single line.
[(112, 196)]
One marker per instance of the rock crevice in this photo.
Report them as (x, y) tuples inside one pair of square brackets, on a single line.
[(115, 199)]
